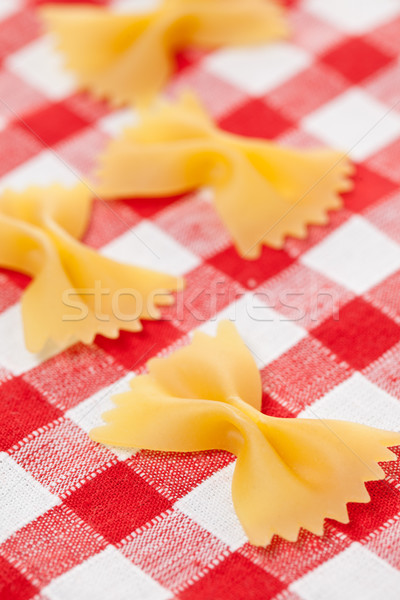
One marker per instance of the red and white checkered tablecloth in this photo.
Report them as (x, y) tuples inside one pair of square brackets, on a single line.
[(79, 521)]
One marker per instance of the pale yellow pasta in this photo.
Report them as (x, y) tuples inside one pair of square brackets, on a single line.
[(290, 473), (75, 292), (263, 192), (129, 57)]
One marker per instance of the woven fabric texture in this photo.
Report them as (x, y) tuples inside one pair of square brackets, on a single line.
[(79, 521)]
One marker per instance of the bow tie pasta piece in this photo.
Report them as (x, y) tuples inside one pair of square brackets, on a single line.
[(289, 473), (75, 292), (262, 192), (129, 57)]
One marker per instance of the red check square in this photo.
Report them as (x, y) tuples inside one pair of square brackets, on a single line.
[(9, 291), (22, 410), (251, 273), (234, 573), (117, 502), (360, 336), (392, 469), (13, 585), (148, 207), (369, 187), (132, 351), (53, 123), (368, 518), (255, 118), (356, 59)]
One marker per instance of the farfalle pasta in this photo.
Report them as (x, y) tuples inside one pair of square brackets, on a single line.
[(290, 473), (128, 57), (76, 293), (263, 192)]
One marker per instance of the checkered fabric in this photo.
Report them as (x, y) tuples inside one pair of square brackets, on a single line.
[(79, 521)]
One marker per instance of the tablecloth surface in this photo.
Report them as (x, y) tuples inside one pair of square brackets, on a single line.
[(79, 521)]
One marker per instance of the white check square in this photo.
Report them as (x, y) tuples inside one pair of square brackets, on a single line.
[(135, 5), (267, 333), (42, 67), (210, 505), (354, 16), (356, 255), (8, 7), (105, 576), (3, 122), (258, 69), (88, 414), (146, 245), (114, 123), (13, 353), (354, 122), (22, 498), (357, 399), (43, 169), (352, 574)]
